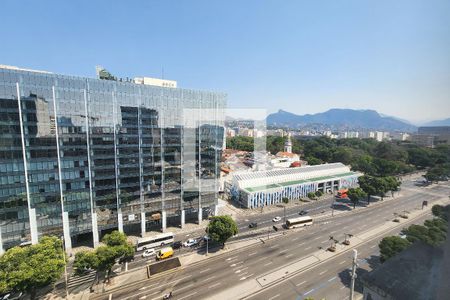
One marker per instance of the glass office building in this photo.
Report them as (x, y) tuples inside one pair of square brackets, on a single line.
[(80, 157)]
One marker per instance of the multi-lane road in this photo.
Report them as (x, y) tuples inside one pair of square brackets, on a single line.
[(217, 274)]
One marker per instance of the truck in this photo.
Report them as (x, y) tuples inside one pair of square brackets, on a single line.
[(342, 194), (164, 253)]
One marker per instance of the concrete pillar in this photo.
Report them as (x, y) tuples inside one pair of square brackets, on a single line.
[(163, 220), (216, 209), (183, 218), (66, 232), (142, 224), (120, 220), (200, 214), (33, 226), (95, 229)]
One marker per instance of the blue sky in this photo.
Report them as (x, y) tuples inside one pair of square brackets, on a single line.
[(300, 56)]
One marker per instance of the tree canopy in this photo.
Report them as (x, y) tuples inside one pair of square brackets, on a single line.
[(28, 268), (221, 228), (392, 245), (356, 194)]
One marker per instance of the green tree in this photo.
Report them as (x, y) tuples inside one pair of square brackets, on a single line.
[(342, 154), (355, 194), (84, 261), (313, 161), (311, 195), (392, 184), (285, 200), (367, 185), (29, 268), (441, 211), (319, 193), (221, 228), (115, 238), (391, 245)]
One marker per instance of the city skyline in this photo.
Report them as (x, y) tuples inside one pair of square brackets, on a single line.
[(299, 57)]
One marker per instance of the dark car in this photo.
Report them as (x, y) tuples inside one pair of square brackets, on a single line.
[(177, 245), (303, 212), (253, 225)]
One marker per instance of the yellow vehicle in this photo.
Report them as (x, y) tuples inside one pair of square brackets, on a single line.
[(164, 253)]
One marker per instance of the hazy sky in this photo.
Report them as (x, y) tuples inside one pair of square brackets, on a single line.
[(300, 56)]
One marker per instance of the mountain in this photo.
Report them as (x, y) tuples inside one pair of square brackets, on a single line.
[(341, 118), (445, 122)]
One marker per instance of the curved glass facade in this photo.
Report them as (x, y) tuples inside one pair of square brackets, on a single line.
[(81, 156)]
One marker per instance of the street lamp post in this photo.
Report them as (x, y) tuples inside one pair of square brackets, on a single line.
[(207, 240), (65, 266)]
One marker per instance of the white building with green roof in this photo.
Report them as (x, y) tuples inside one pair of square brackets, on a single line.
[(262, 188)]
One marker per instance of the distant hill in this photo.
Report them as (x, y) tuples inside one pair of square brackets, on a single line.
[(348, 118), (445, 122)]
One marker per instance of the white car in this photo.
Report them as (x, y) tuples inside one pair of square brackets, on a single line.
[(148, 253), (276, 219), (190, 243)]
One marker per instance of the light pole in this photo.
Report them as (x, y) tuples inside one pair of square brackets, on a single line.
[(65, 266), (207, 239), (353, 274)]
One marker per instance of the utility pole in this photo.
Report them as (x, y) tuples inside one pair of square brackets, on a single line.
[(65, 267), (284, 214), (207, 240), (353, 273)]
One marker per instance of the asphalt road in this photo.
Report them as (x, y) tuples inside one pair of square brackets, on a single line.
[(216, 274)]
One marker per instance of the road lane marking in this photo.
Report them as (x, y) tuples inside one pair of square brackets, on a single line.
[(209, 278), (231, 258), (274, 246), (301, 243), (323, 242), (323, 272), (331, 232), (331, 279), (308, 292), (273, 297), (262, 258), (289, 255), (308, 248), (214, 285), (185, 287), (240, 270), (269, 263), (187, 296), (237, 263), (298, 284), (343, 287), (253, 253), (205, 270), (294, 239), (316, 238), (179, 279), (342, 262), (371, 247)]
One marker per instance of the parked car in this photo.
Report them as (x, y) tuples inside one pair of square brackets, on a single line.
[(177, 245), (11, 296), (276, 219), (190, 243), (303, 212), (148, 252), (253, 225)]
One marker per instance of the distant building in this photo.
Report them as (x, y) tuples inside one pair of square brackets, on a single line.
[(400, 136), (431, 136), (263, 188)]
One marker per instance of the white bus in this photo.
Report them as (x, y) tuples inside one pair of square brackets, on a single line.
[(298, 222), (154, 241)]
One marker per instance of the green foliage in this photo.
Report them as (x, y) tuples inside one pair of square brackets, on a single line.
[(311, 195), (391, 246), (441, 211), (433, 233), (356, 194), (243, 143), (438, 173), (312, 161), (103, 258), (221, 228), (84, 261), (319, 193), (285, 200), (28, 268)]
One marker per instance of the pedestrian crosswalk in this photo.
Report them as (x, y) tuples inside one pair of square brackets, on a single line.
[(75, 281)]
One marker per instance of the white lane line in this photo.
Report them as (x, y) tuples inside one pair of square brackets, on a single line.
[(185, 287), (179, 279), (371, 247), (262, 258), (235, 264), (308, 248), (332, 278), (301, 243), (316, 238), (187, 296), (209, 278), (274, 246), (205, 270), (323, 272), (269, 263), (273, 297), (289, 255), (342, 262), (298, 284), (253, 253), (308, 292), (343, 287), (230, 258), (240, 270), (323, 242), (294, 239), (214, 285), (331, 232)]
